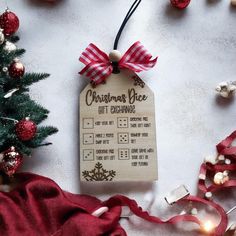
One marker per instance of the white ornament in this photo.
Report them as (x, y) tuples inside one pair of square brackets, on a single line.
[(2, 37), (221, 177), (115, 56), (226, 89), (9, 46)]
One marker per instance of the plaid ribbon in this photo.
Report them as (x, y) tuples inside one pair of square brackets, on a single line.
[(98, 65)]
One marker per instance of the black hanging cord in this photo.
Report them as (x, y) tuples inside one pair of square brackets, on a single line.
[(127, 17)]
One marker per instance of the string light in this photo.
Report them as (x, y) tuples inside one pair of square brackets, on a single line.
[(208, 226)]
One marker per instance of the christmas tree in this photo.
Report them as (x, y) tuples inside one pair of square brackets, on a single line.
[(19, 114)]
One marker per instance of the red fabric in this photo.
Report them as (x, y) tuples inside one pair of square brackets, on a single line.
[(224, 148), (98, 66), (38, 207)]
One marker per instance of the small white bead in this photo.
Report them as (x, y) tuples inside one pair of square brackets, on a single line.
[(221, 157), (208, 195), (227, 161), (194, 211), (4, 69), (115, 56), (202, 176)]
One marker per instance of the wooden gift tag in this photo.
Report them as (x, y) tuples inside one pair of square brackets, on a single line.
[(117, 130)]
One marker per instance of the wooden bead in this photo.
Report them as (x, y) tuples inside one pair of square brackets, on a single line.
[(115, 56)]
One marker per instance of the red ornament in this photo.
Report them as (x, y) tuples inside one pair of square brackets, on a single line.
[(16, 70), (11, 161), (181, 4), (9, 22), (25, 129)]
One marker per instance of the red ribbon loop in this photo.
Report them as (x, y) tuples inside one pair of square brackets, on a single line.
[(98, 65)]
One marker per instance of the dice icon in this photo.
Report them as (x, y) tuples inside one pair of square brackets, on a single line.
[(123, 154), (123, 138), (122, 122), (88, 154), (88, 138), (88, 123)]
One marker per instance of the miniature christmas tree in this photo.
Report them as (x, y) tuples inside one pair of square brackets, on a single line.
[(19, 114)]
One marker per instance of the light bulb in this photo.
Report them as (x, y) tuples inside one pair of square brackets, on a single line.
[(208, 226)]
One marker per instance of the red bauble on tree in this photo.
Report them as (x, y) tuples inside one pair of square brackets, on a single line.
[(181, 4), (11, 161), (16, 70), (9, 22), (26, 129)]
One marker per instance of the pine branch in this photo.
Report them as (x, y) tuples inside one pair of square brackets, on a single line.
[(7, 58), (19, 104), (42, 133), (30, 78)]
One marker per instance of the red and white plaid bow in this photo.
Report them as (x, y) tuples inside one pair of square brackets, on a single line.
[(98, 66)]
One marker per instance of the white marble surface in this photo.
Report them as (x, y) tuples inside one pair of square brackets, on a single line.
[(196, 49)]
